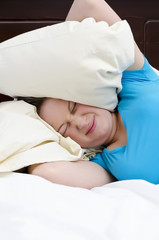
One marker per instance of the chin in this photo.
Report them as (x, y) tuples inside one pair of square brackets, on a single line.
[(97, 145)]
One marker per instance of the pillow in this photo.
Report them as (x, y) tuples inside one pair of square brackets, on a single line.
[(26, 139), (77, 61), (155, 70)]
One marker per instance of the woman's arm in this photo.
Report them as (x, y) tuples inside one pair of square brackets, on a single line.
[(81, 173), (100, 10)]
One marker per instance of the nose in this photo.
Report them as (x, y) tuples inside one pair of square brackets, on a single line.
[(81, 122)]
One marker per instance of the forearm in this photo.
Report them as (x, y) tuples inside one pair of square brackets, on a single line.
[(83, 174), (98, 9)]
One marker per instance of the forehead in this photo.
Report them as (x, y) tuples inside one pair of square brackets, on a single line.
[(53, 111)]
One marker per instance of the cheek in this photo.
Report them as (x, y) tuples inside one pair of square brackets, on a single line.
[(76, 136), (106, 118), (72, 133), (47, 117)]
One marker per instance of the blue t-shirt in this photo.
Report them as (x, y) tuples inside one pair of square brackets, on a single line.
[(139, 109)]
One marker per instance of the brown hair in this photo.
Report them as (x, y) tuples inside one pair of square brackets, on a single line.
[(37, 102)]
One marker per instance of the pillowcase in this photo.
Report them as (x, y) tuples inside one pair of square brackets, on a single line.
[(155, 70), (26, 139), (76, 61)]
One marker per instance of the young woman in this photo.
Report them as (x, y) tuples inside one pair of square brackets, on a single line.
[(130, 135)]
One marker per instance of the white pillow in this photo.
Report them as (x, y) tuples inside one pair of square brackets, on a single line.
[(155, 70), (26, 139), (77, 61)]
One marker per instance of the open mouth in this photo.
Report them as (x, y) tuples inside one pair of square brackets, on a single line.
[(92, 126)]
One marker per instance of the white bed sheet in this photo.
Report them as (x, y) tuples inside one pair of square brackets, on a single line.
[(32, 208)]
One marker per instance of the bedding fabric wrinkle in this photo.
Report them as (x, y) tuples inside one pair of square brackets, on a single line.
[(25, 139), (35, 60), (33, 208)]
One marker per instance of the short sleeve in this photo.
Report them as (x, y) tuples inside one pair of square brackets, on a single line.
[(99, 160), (147, 73)]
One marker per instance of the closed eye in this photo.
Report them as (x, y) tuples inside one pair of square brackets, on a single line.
[(63, 129), (72, 107)]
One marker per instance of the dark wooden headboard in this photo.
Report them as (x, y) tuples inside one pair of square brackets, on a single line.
[(19, 16)]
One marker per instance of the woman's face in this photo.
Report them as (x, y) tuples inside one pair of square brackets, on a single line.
[(88, 126)]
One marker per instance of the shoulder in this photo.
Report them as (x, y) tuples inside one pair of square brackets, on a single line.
[(146, 74)]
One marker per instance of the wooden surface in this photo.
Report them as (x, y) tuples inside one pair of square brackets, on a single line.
[(19, 16)]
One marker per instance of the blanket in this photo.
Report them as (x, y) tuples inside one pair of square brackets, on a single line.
[(33, 208)]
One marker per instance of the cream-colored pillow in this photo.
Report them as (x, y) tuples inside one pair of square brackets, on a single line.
[(78, 61), (26, 139)]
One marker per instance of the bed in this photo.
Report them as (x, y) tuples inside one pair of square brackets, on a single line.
[(34, 208)]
